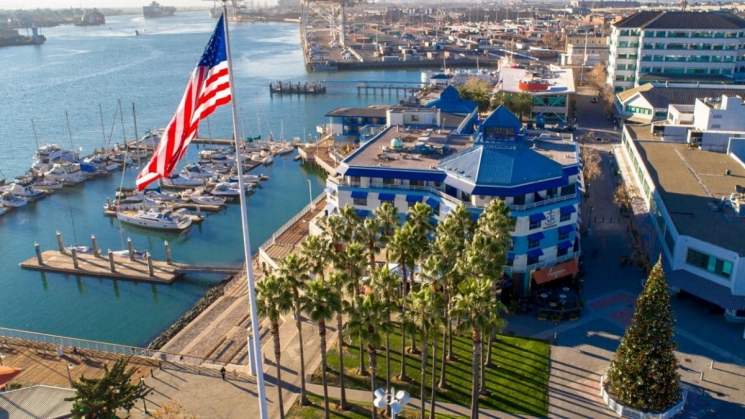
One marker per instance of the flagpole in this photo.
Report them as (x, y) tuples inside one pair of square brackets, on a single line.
[(254, 349)]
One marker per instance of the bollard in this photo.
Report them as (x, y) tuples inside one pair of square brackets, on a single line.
[(59, 243), (38, 253), (701, 377), (74, 257), (199, 211), (712, 365), (111, 261), (168, 252), (149, 264), (94, 241), (131, 249)]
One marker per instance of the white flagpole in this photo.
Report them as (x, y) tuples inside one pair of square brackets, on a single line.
[(255, 352)]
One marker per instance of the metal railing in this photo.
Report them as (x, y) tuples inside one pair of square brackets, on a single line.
[(67, 343), (286, 226), (627, 412)]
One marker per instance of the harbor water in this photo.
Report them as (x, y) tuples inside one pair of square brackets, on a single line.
[(80, 68)]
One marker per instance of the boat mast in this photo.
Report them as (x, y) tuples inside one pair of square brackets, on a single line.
[(69, 131), (137, 137), (33, 126), (121, 117), (103, 130)]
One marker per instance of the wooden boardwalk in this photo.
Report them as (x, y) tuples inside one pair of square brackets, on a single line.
[(98, 266), (40, 363)]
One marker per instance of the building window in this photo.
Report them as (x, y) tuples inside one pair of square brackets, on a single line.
[(534, 225), (716, 126), (519, 200), (355, 180), (716, 116), (532, 244), (563, 236), (360, 201), (714, 265), (532, 260), (389, 181), (411, 204), (564, 217), (561, 252), (416, 183)]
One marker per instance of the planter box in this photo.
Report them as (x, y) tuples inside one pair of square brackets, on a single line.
[(627, 412)]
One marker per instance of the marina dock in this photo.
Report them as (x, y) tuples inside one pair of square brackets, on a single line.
[(297, 88), (101, 266)]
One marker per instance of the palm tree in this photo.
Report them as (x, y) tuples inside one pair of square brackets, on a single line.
[(496, 223), (338, 281), (477, 307), (333, 225), (389, 221), (431, 274), (402, 251), (272, 300), (370, 318), (421, 315), (369, 234), (523, 103), (321, 302), (385, 284), (352, 260), (293, 273), (317, 250), (351, 222), (420, 216)]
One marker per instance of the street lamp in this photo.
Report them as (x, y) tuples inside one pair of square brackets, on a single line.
[(310, 196), (396, 400), (69, 377), (144, 404)]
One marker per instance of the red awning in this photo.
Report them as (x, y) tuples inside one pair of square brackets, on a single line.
[(555, 272)]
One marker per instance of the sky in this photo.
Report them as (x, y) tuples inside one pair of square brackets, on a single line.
[(64, 4)]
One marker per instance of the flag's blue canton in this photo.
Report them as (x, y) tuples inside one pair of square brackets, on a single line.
[(215, 52)]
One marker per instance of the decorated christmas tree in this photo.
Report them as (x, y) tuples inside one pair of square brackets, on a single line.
[(644, 374)]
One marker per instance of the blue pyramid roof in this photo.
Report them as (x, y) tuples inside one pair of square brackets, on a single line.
[(451, 102), (503, 118), (490, 165)]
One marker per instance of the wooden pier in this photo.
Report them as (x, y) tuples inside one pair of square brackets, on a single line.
[(100, 266)]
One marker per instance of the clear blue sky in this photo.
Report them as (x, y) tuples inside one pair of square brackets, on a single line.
[(64, 4)]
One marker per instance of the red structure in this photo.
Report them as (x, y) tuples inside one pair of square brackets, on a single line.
[(533, 85)]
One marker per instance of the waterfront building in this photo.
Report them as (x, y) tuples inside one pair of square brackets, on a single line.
[(688, 171), (550, 86), (686, 47), (416, 160), (649, 102), (593, 45)]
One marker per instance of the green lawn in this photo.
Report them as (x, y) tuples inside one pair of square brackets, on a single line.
[(517, 381), (358, 410)]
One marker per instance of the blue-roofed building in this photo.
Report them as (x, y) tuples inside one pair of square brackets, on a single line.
[(538, 179), (451, 102)]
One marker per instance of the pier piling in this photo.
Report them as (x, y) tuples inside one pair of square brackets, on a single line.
[(111, 261), (149, 264), (131, 248), (38, 253), (60, 244), (94, 242), (168, 252), (74, 253)]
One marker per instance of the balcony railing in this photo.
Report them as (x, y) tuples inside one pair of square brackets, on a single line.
[(543, 263), (442, 194)]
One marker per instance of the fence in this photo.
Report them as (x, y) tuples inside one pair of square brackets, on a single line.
[(112, 348), (306, 209), (627, 412)]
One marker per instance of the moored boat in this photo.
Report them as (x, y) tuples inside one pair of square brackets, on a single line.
[(159, 219), (9, 200), (48, 185), (50, 154), (26, 191), (67, 173)]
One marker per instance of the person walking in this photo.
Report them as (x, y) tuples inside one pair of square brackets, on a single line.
[(222, 373)]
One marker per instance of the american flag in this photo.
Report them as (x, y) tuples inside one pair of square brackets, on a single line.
[(208, 88)]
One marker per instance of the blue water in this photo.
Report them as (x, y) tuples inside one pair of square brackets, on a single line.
[(80, 68)]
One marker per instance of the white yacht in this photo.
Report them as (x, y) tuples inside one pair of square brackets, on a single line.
[(7, 199), (181, 182), (160, 219), (228, 189), (48, 185), (67, 173), (201, 198), (267, 160), (26, 191), (50, 154)]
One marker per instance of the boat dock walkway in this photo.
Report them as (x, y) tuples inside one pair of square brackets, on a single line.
[(87, 264)]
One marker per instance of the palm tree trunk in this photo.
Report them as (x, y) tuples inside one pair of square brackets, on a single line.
[(373, 373), (277, 355), (483, 371), (402, 376), (387, 365), (443, 384), (492, 337), (363, 371), (423, 381), (340, 344), (432, 400), (475, 359), (322, 335), (303, 396)]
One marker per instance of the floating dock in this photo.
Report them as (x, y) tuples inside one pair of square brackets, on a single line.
[(100, 266), (297, 88)]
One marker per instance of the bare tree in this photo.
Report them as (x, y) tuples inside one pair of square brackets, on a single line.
[(625, 196), (590, 164), (597, 77), (643, 241)]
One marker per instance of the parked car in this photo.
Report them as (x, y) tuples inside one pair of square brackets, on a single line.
[(602, 140), (563, 128), (594, 100)]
